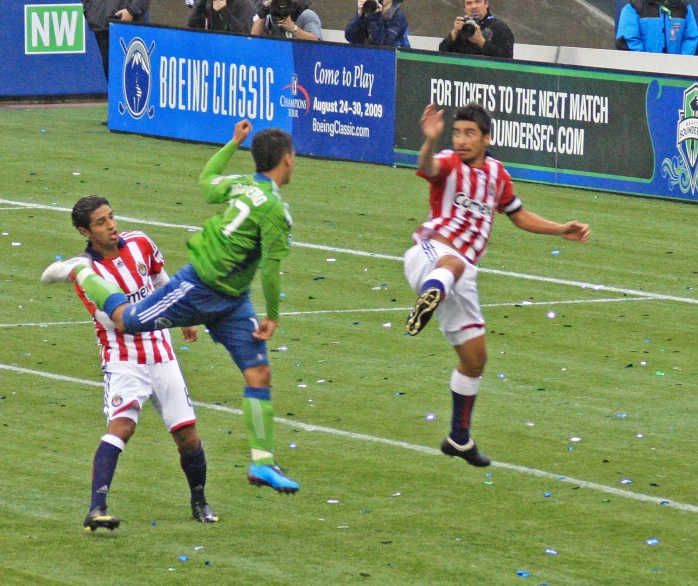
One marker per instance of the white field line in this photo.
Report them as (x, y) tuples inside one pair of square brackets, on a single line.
[(596, 287), (396, 444), (369, 310)]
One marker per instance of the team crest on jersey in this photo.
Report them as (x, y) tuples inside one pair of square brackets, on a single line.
[(136, 79), (116, 401), (682, 171), (142, 269)]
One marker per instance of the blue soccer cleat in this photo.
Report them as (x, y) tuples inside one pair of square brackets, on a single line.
[(271, 476)]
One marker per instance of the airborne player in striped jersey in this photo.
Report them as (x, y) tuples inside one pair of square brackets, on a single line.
[(136, 367), (467, 186)]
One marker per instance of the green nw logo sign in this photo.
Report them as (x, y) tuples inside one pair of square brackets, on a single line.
[(53, 28)]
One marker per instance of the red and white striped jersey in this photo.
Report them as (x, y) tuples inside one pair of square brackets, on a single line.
[(462, 201), (139, 260)]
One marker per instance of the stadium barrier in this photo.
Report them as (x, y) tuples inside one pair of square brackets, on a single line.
[(556, 120), (48, 50)]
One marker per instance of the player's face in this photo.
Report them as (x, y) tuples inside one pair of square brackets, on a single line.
[(476, 8), (102, 232), (469, 142)]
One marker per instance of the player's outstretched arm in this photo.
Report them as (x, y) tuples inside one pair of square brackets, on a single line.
[(538, 225), (214, 187), (432, 123)]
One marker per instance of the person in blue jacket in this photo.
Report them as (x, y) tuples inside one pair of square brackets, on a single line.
[(378, 22), (658, 26)]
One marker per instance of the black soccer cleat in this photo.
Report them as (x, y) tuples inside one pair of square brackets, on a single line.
[(468, 452), (203, 512), (99, 517), (422, 311)]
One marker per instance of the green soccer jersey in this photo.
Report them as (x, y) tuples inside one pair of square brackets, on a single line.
[(254, 228)]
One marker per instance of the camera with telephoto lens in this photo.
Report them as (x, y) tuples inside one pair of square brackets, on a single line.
[(469, 26), (281, 9), (370, 6)]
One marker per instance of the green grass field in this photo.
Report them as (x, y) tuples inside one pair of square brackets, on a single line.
[(615, 367)]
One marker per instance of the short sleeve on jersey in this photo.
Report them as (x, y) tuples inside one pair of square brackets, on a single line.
[(508, 202), (448, 161), (276, 231)]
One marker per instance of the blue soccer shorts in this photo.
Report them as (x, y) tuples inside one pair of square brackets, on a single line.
[(188, 301)]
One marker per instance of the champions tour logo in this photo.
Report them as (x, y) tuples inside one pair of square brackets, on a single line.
[(137, 79), (299, 99), (683, 171)]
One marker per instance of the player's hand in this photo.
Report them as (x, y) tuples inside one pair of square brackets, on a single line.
[(266, 329), (242, 131), (432, 122), (190, 333), (575, 231), (219, 5), (124, 15)]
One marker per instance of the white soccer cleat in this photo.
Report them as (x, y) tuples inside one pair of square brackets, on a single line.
[(60, 270)]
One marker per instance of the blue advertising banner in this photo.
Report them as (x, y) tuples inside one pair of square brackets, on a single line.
[(612, 131), (48, 50), (337, 101)]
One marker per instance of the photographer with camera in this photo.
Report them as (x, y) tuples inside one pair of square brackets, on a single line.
[(99, 13), (479, 32), (233, 16), (378, 22), (291, 19)]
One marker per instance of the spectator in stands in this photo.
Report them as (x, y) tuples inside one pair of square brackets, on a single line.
[(233, 16), (291, 19), (378, 22), (479, 32), (658, 26), (98, 14)]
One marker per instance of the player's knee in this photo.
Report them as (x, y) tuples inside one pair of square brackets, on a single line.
[(258, 376), (186, 438), (122, 427)]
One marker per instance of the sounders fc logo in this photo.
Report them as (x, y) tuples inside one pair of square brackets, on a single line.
[(683, 172), (137, 79)]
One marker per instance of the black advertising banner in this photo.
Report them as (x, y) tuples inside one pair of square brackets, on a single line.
[(549, 122)]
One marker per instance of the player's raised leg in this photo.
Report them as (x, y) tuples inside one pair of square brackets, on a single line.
[(436, 286)]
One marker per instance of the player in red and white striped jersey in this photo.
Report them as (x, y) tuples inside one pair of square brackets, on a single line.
[(138, 271), (467, 186), (136, 367)]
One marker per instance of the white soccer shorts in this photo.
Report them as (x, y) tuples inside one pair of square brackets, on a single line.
[(459, 314), (128, 386)]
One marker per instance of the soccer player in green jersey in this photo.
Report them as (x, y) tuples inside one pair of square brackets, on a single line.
[(253, 231)]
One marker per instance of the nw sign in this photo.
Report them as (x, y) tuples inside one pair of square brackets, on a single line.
[(54, 28)]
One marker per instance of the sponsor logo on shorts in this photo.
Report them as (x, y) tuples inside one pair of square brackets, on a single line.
[(116, 401), (162, 323)]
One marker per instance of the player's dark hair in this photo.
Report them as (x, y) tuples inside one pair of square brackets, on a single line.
[(268, 148), (84, 208), (475, 113)]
